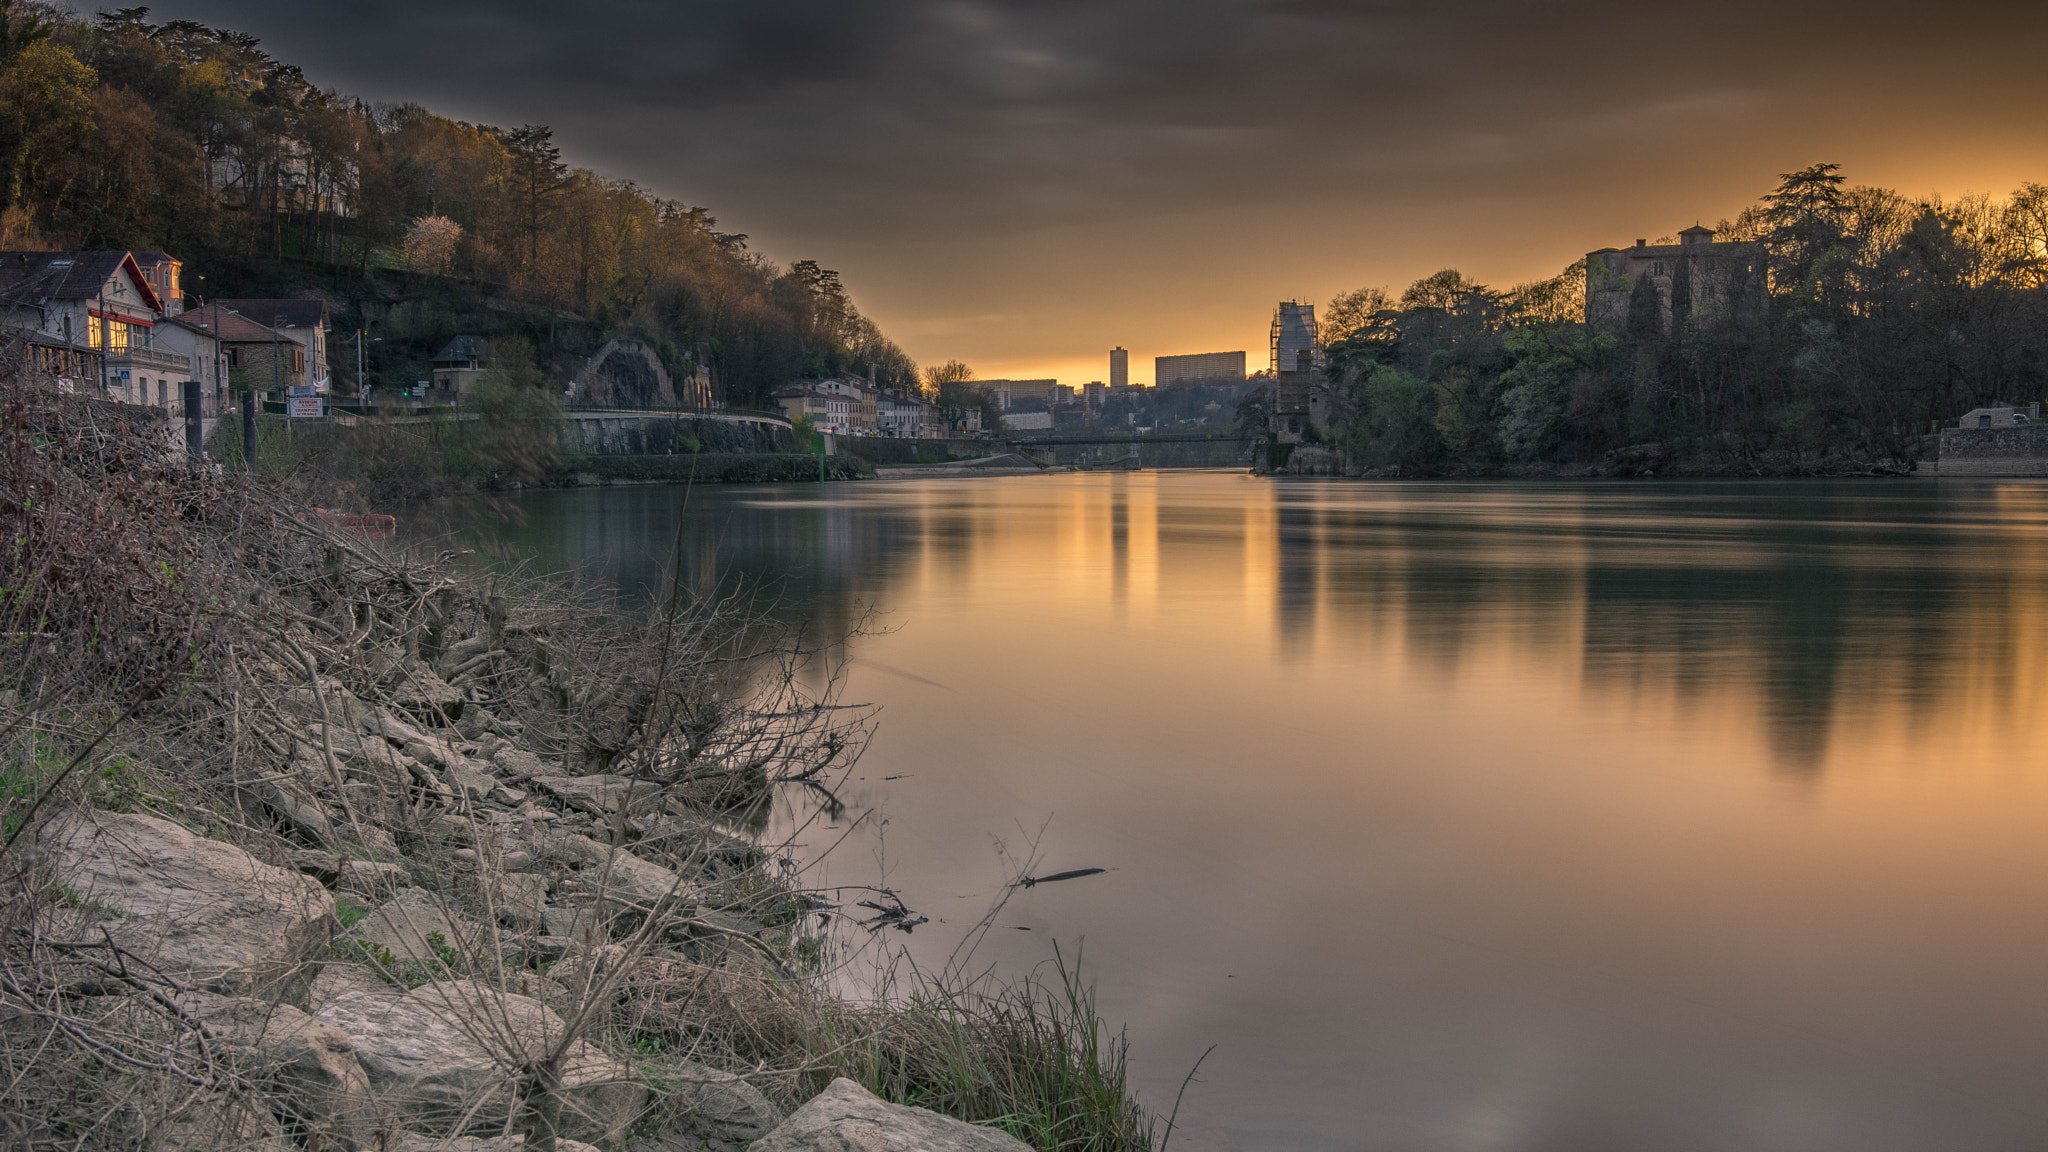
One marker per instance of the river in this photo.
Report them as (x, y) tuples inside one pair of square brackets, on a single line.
[(1457, 816)]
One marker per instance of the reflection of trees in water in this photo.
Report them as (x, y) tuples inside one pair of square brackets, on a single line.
[(1819, 601), (1808, 598)]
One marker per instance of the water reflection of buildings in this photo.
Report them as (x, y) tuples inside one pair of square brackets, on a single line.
[(1814, 611)]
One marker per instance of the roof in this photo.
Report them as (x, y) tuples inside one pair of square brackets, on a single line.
[(1695, 228), (154, 257), (463, 349), (26, 276), (296, 313), (219, 320)]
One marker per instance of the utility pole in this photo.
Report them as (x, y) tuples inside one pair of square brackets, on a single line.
[(276, 347), (249, 431)]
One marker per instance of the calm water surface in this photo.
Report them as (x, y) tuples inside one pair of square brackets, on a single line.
[(1459, 816)]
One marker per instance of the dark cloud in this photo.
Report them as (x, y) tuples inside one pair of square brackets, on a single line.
[(984, 141)]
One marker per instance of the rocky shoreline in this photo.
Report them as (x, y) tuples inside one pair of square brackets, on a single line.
[(313, 846)]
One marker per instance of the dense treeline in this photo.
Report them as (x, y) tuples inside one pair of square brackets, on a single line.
[(116, 132), (1879, 316)]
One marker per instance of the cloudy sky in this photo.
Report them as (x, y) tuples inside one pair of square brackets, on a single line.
[(1023, 185)]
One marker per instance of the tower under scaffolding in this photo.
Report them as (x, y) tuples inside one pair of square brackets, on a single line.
[(1297, 365), (1295, 345)]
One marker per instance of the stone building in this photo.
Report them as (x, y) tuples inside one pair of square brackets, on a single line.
[(303, 322), (252, 355), (1696, 281)]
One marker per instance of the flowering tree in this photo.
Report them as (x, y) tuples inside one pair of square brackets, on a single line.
[(430, 244)]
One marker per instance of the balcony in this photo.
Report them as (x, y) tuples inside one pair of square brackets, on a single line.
[(149, 359)]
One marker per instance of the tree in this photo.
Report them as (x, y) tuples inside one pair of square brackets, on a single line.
[(939, 377), (538, 175), (1804, 218), (1359, 312), (431, 244), (44, 104)]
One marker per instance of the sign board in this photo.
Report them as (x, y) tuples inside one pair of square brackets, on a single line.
[(302, 390), (300, 407)]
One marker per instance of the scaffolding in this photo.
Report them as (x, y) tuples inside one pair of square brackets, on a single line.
[(1294, 338)]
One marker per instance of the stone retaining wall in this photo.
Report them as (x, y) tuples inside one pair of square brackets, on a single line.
[(2020, 451)]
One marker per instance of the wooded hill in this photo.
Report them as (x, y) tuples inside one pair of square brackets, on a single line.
[(118, 132)]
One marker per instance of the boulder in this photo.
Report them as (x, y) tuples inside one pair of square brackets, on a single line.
[(846, 1117), (520, 763), (448, 1053), (631, 879), (518, 898), (337, 980), (603, 794), (404, 924), (314, 1063), (205, 913), (369, 878), (289, 800), (716, 1107), (689, 837), (471, 777)]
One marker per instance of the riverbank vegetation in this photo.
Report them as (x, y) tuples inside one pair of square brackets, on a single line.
[(116, 132), (1876, 316), (496, 803)]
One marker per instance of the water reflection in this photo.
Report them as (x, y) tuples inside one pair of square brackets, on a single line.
[(1816, 604), (1487, 816)]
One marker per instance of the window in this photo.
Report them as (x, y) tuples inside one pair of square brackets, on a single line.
[(95, 332), (117, 336), (1983, 421)]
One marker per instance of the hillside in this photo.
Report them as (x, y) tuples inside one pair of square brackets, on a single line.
[(117, 132)]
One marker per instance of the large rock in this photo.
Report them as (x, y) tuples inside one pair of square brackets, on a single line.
[(630, 879), (404, 925), (603, 794), (338, 980), (846, 1117), (449, 1053), (717, 1107), (205, 913), (314, 1063), (517, 898)]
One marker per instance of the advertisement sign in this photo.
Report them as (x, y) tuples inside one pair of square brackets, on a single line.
[(299, 407)]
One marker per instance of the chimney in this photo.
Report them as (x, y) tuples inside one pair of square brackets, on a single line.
[(1640, 243)]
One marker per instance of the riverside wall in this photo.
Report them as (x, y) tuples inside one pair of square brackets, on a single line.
[(655, 434), (2020, 451)]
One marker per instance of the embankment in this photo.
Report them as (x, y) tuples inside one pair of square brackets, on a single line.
[(304, 843)]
